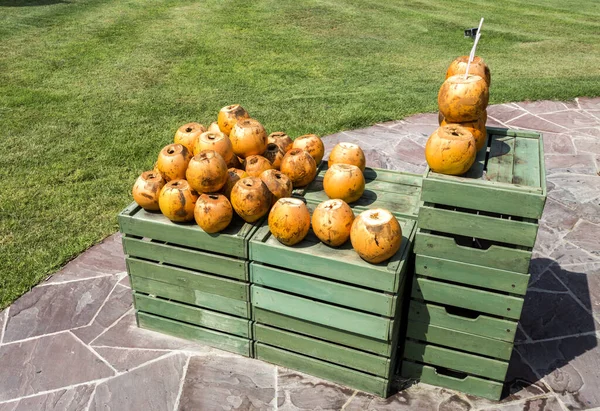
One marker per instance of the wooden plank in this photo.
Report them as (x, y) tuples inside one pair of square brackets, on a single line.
[(195, 280), (370, 185), (187, 258), (341, 375), (322, 332), (510, 259), (205, 336), (465, 297), (526, 169), (470, 274), (500, 161), (513, 133), (232, 241), (479, 226), (380, 174), (476, 170), (456, 360), (483, 325), (478, 197), (470, 384), (341, 264), (193, 315), (324, 290), (191, 296), (329, 315), (460, 340), (323, 350)]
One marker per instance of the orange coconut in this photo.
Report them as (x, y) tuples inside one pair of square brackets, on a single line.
[(255, 165), (347, 153), (299, 166), (274, 153), (289, 220), (146, 190), (248, 137), (451, 150), (251, 199), (376, 235), (216, 141), (233, 176), (229, 115), (332, 221), (187, 135), (213, 212), (477, 68), (278, 184), (172, 161), (177, 200), (461, 99), (207, 172), (281, 139), (214, 127), (344, 181), (313, 144)]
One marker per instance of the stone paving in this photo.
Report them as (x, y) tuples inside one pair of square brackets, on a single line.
[(71, 343)]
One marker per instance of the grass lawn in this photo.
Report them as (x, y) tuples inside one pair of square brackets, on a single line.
[(91, 90)]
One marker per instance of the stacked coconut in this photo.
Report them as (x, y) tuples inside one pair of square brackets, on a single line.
[(207, 175), (462, 102)]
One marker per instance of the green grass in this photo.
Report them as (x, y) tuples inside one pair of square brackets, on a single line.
[(91, 90)]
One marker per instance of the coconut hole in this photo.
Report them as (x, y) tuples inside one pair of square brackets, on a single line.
[(272, 147), (189, 130), (170, 150), (213, 197)]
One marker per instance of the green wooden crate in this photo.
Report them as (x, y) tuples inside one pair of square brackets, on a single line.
[(509, 179), (396, 191)]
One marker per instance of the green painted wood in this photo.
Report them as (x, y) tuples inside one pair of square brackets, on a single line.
[(232, 241), (190, 296), (323, 350), (456, 360), (526, 169), (483, 325), (460, 340), (187, 258), (345, 376), (501, 157), (205, 336), (193, 315), (470, 384), (465, 297), (542, 166), (497, 131), (470, 274), (479, 226), (340, 264), (505, 258), (382, 175), (329, 315), (311, 329), (323, 290), (476, 170), (195, 280)]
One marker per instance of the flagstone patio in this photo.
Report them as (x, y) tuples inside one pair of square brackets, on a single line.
[(71, 343)]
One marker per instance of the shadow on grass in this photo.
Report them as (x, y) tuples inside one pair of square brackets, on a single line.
[(30, 3)]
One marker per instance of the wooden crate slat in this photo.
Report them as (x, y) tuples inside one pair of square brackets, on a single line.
[(321, 313), (484, 325), (208, 337), (351, 378), (470, 384), (231, 241), (181, 277), (500, 161), (479, 226), (193, 315), (463, 341), (469, 274), (188, 258), (456, 360), (526, 170), (476, 170), (324, 290), (380, 174), (466, 297), (322, 350), (191, 296), (322, 332), (510, 259)]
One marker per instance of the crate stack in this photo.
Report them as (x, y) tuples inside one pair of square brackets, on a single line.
[(189, 283), (473, 247), (325, 311)]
